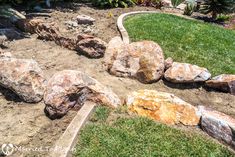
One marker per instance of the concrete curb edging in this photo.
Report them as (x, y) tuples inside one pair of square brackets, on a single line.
[(68, 140), (122, 29)]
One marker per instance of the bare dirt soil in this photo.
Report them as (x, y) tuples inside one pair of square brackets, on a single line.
[(26, 124)]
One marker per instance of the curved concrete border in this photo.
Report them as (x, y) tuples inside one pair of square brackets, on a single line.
[(122, 29), (64, 146), (121, 18)]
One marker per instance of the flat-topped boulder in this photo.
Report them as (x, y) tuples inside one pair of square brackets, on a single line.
[(143, 60), (218, 125), (69, 88), (22, 76), (224, 82), (162, 107), (186, 73)]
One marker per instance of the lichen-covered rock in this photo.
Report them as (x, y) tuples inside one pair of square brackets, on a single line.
[(23, 76), (224, 82), (69, 88), (218, 125), (162, 107), (141, 60), (84, 19), (186, 73)]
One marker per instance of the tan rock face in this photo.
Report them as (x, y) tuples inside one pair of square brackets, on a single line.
[(141, 60), (223, 82), (218, 125), (186, 73), (162, 107), (22, 76), (68, 89)]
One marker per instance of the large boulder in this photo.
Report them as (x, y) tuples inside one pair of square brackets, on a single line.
[(218, 125), (224, 82), (141, 60), (23, 76), (162, 107), (68, 89), (186, 73)]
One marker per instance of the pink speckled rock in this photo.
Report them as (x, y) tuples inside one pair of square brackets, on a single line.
[(141, 60), (223, 82), (70, 88), (186, 73), (218, 125), (22, 76)]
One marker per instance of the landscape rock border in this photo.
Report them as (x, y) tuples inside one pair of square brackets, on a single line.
[(229, 86)]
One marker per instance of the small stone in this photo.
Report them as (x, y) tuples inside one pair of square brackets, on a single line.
[(218, 125), (22, 76), (3, 39), (162, 107), (168, 63), (5, 54), (186, 73), (70, 89), (84, 19), (224, 82), (71, 24)]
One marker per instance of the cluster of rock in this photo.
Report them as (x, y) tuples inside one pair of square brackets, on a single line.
[(64, 90), (145, 62), (82, 24), (169, 109), (87, 45)]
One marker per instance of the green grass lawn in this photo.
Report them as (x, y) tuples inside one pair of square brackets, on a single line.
[(117, 135), (185, 40)]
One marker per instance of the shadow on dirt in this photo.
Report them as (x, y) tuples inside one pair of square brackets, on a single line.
[(183, 86), (9, 95)]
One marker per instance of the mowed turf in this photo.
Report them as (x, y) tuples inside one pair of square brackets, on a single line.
[(190, 41), (141, 137)]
